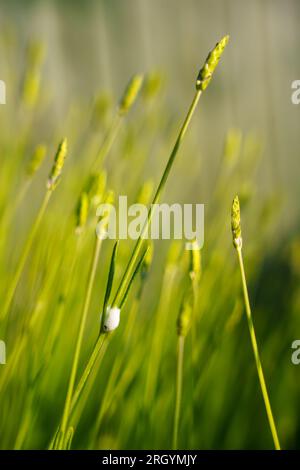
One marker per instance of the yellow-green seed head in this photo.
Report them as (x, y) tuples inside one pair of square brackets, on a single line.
[(31, 88), (212, 60), (232, 145), (35, 53), (131, 93), (147, 260), (145, 192), (104, 215), (236, 223), (59, 161), (195, 262), (101, 108), (184, 318), (82, 212), (36, 159), (96, 187), (149, 255), (152, 85), (109, 197)]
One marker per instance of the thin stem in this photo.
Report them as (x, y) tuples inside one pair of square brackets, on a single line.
[(99, 346), (22, 340), (179, 373), (256, 354), (130, 267), (113, 381), (160, 326), (22, 193), (24, 255), (108, 141), (91, 279), (9, 211)]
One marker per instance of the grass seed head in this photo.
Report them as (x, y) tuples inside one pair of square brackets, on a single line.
[(147, 260), (57, 167), (145, 192), (189, 301), (149, 255), (82, 212), (232, 146), (212, 60), (109, 197), (35, 54), (152, 85), (184, 317), (131, 93), (102, 106), (96, 187), (195, 262), (236, 223), (36, 159), (104, 216), (31, 86)]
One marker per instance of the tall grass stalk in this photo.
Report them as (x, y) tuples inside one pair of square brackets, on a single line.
[(32, 167), (22, 340), (179, 375), (75, 362), (202, 82), (51, 184), (160, 321), (126, 102), (100, 346), (82, 214), (22, 260), (184, 322), (238, 243), (136, 251), (112, 385)]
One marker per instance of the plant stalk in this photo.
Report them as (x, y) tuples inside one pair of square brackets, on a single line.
[(24, 255), (130, 267), (91, 279), (179, 374), (108, 142), (256, 353), (131, 264)]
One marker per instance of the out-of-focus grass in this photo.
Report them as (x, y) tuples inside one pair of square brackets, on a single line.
[(129, 402)]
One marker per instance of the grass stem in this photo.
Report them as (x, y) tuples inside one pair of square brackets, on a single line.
[(256, 354), (136, 251), (202, 82), (86, 305), (179, 374), (24, 255), (108, 142)]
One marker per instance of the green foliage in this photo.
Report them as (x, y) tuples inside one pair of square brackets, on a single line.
[(122, 393)]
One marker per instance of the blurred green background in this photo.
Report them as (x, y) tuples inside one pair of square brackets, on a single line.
[(243, 139)]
